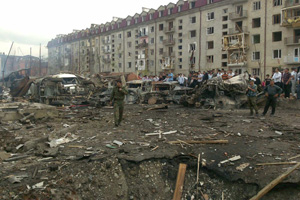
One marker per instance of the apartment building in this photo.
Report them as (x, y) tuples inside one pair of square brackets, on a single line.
[(194, 35)]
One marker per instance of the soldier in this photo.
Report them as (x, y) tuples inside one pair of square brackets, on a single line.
[(117, 98), (251, 94)]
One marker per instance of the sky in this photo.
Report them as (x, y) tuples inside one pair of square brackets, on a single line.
[(29, 23)]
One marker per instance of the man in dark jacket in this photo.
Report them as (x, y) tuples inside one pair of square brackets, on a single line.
[(117, 97), (272, 92)]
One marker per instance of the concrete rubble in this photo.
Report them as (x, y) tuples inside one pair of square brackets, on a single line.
[(73, 151)]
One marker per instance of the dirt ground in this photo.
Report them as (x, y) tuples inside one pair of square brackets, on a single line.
[(91, 166)]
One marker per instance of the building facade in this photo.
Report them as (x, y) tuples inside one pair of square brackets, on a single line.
[(194, 35)]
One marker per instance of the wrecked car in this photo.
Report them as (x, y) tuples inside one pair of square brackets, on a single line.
[(218, 93), (137, 90)]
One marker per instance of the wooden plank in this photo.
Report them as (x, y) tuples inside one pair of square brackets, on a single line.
[(294, 157), (277, 163), (275, 182), (201, 142), (179, 182)]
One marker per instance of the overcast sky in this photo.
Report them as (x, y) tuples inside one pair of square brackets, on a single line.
[(31, 22)]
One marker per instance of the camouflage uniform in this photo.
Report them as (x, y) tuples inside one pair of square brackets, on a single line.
[(118, 97)]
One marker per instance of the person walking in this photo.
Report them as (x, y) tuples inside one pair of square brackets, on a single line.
[(294, 81), (117, 99), (286, 81), (251, 94), (272, 92)]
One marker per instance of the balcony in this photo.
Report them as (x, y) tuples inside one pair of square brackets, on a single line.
[(143, 34), (290, 20), (106, 51), (167, 54), (289, 41), (239, 15), (106, 60), (291, 60), (169, 30), (238, 30), (289, 3), (169, 42), (105, 41)]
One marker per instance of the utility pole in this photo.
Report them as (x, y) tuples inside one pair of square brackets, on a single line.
[(40, 64), (3, 71)]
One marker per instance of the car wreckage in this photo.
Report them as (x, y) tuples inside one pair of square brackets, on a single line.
[(219, 93)]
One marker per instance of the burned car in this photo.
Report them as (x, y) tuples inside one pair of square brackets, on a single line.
[(137, 90), (61, 89), (218, 93)]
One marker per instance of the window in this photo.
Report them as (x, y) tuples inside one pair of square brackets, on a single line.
[(152, 52), (120, 35), (224, 56), (225, 10), (151, 16), (180, 8), (193, 33), (256, 56), (180, 21), (210, 45), (277, 36), (128, 23), (179, 27), (192, 47), (129, 54), (161, 38), (161, 27), (256, 39), (170, 11), (192, 4), (179, 34), (210, 30), (210, 16), (128, 44), (225, 26), (179, 47), (180, 60), (129, 65), (277, 19), (161, 13), (224, 33), (179, 40), (152, 41), (277, 2), (180, 53), (193, 20), (256, 71), (161, 50), (120, 65), (256, 23), (224, 64), (225, 18), (152, 29), (277, 54), (210, 59), (129, 34), (210, 1), (256, 5), (180, 66)]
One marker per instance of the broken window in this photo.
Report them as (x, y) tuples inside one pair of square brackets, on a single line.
[(161, 27), (120, 65), (192, 4), (277, 2), (179, 47), (179, 34), (180, 60), (225, 18), (277, 54), (161, 13), (179, 27), (224, 64), (210, 30), (193, 33), (210, 1), (179, 40), (224, 56), (152, 51), (170, 11), (180, 8), (256, 71), (256, 56), (129, 65), (225, 10), (192, 47), (152, 29), (161, 38), (224, 33), (210, 44), (210, 16), (277, 19), (277, 36), (152, 41), (161, 50), (225, 26), (256, 39), (193, 20), (129, 34), (256, 23), (210, 59), (256, 5)]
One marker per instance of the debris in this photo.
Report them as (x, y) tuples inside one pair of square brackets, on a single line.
[(110, 146), (242, 167), (118, 143), (4, 155), (275, 182), (235, 158), (154, 148), (16, 178), (67, 129), (76, 146), (19, 146), (201, 142), (66, 139), (184, 142), (179, 182), (157, 107), (16, 158), (247, 121), (24, 119), (294, 157), (278, 132), (278, 163), (38, 185), (239, 134)]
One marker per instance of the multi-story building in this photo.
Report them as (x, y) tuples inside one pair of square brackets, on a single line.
[(194, 35)]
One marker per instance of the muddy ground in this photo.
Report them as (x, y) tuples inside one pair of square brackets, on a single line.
[(145, 167)]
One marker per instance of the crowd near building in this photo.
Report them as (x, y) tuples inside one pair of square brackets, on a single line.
[(194, 35)]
